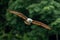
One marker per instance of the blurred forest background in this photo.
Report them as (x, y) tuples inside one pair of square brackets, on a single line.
[(13, 28)]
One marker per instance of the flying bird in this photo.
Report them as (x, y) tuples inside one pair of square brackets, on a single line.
[(29, 21)]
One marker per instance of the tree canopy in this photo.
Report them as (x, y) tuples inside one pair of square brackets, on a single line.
[(13, 27)]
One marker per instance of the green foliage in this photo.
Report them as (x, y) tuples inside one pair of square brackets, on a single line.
[(46, 11)]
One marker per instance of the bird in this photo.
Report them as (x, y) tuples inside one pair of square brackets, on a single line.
[(29, 21)]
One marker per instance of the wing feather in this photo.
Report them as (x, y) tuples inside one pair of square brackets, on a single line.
[(41, 24), (18, 14)]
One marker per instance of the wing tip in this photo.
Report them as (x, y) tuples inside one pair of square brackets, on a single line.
[(49, 28)]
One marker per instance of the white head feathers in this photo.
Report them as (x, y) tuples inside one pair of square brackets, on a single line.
[(29, 20)]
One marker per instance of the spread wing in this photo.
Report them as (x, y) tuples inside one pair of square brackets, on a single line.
[(33, 22), (41, 24), (18, 14)]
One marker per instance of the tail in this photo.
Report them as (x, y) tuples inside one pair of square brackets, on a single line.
[(27, 23)]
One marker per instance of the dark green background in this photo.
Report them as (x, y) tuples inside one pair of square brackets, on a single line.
[(13, 28)]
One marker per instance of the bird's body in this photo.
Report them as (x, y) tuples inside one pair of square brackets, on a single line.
[(28, 21)]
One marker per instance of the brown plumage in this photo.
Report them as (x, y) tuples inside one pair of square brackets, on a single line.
[(33, 22), (19, 14)]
